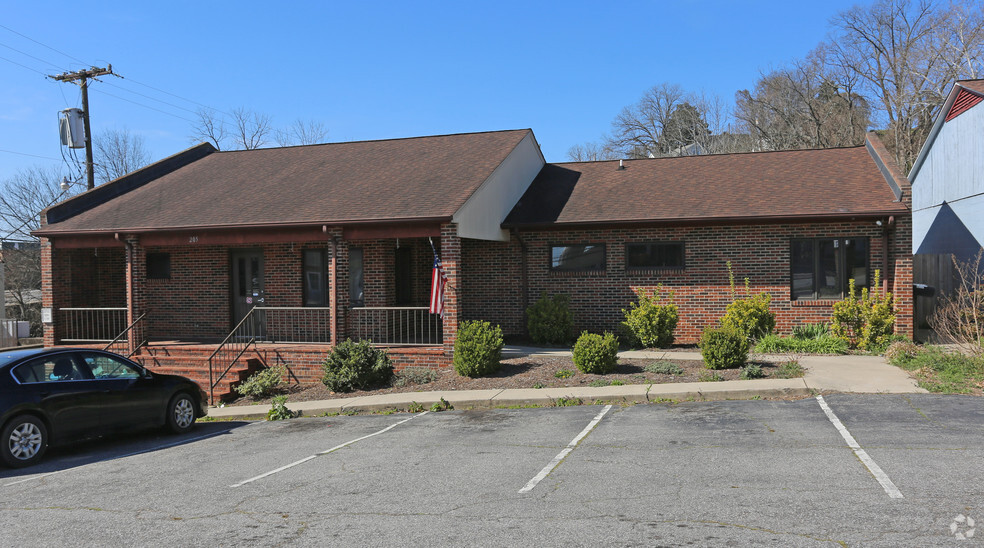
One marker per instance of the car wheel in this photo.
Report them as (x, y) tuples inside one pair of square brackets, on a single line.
[(25, 440), (181, 413)]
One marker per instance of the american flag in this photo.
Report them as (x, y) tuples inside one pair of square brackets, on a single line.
[(438, 280)]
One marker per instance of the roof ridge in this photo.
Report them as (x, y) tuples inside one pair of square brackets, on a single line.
[(415, 137), (743, 153)]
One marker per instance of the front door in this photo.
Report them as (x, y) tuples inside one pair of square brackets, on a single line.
[(247, 283)]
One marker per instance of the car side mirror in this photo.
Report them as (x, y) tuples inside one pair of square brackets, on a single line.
[(147, 374)]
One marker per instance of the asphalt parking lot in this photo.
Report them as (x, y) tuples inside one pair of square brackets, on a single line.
[(705, 473)]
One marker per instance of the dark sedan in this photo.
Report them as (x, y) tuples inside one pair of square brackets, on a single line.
[(53, 396)]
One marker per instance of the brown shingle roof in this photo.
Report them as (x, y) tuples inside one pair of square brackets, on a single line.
[(973, 85), (764, 185), (414, 178)]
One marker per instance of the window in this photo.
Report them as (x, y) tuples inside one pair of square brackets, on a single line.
[(356, 279), (654, 255), (158, 266), (50, 369), (574, 258), (108, 367), (821, 267), (315, 278)]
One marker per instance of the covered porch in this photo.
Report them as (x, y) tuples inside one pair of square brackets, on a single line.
[(215, 305)]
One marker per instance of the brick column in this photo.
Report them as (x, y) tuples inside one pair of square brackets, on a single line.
[(451, 260), (900, 261), (136, 292)]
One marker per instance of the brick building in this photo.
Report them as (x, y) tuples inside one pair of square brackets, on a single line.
[(280, 252)]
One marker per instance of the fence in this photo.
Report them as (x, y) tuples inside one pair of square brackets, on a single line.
[(92, 325), (388, 325)]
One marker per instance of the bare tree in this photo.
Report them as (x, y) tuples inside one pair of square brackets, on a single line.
[(590, 152), (250, 129), (302, 133), (210, 128), (809, 104), (907, 53), (959, 317), (118, 152), (22, 198), (637, 130)]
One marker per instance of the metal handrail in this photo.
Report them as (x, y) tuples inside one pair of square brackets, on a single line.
[(92, 324), (126, 332), (396, 325), (212, 382)]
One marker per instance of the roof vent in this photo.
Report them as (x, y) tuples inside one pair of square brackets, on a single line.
[(621, 166)]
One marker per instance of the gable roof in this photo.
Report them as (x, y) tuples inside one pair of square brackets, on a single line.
[(420, 178), (969, 90), (795, 184)]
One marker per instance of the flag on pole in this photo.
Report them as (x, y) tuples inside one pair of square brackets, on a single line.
[(438, 280)]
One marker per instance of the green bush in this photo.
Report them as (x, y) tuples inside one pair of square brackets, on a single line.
[(595, 353), (550, 320), (279, 411), (789, 370), (811, 331), (477, 348), (356, 365), (723, 348), (750, 315), (882, 345), (262, 383), (414, 374), (864, 322), (648, 323), (751, 371), (774, 344), (664, 368)]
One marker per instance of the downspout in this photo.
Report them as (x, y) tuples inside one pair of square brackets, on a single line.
[(333, 286), (129, 286), (890, 223), (522, 265)]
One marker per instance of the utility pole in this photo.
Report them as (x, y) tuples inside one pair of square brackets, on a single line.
[(82, 76)]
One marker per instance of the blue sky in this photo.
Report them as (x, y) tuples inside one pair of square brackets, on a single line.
[(376, 70)]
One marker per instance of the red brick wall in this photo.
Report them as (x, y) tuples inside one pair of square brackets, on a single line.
[(701, 289)]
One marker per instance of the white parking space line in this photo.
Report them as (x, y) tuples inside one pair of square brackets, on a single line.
[(873, 467), (322, 453), (560, 456), (142, 451)]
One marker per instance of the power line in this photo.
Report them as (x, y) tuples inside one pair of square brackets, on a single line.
[(26, 154), (25, 66), (151, 98), (147, 106), (28, 55), (177, 96), (45, 45)]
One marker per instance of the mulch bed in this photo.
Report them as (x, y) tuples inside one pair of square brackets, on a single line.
[(527, 372)]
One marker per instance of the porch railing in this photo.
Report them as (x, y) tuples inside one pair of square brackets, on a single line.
[(392, 325), (268, 324), (121, 344), (92, 325)]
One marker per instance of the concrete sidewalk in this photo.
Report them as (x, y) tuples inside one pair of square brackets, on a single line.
[(864, 374)]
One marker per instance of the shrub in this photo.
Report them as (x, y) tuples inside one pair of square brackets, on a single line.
[(477, 349), (789, 370), (811, 331), (751, 371), (550, 320), (356, 365), (959, 316), (900, 352), (414, 374), (864, 322), (648, 323), (723, 348), (774, 344), (664, 368), (750, 315), (595, 353), (279, 411), (262, 383)]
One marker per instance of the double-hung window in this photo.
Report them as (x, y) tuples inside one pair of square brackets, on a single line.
[(821, 267)]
